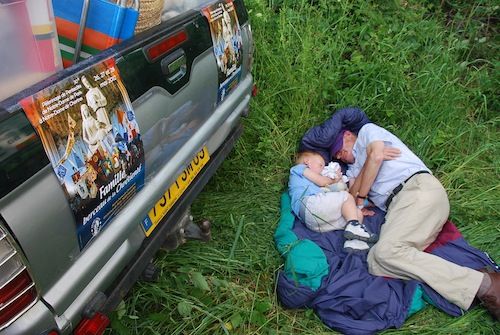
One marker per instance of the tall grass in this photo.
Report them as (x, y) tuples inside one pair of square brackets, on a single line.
[(426, 70)]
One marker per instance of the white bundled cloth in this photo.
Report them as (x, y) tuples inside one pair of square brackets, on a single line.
[(333, 171)]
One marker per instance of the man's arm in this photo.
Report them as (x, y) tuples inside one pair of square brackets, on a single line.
[(317, 178), (369, 171)]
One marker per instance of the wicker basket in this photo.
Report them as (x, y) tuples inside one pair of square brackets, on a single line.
[(149, 14)]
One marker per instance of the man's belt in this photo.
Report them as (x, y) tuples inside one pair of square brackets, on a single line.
[(398, 188)]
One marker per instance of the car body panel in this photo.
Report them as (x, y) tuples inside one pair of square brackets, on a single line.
[(176, 120)]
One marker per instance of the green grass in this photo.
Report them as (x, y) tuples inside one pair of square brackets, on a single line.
[(426, 70)]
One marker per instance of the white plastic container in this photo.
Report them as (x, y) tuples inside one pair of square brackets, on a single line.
[(29, 50)]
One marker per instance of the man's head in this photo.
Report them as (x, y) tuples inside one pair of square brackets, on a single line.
[(86, 82), (85, 111), (313, 160), (342, 146)]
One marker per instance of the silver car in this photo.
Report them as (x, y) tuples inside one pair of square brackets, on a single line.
[(99, 165)]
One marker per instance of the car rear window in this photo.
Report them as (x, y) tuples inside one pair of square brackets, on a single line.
[(21, 152)]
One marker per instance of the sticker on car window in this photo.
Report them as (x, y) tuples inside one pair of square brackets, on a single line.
[(89, 132), (227, 42)]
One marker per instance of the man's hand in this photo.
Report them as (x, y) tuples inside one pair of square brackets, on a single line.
[(391, 153), (367, 212)]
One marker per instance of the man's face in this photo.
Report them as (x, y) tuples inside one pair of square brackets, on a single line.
[(316, 163), (85, 82), (345, 154)]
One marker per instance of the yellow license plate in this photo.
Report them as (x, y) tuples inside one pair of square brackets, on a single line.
[(175, 191)]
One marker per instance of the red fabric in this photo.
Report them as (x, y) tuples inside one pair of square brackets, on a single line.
[(449, 233)]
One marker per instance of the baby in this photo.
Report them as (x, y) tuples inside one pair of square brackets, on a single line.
[(322, 209)]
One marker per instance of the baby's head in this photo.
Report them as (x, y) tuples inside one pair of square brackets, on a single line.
[(313, 160)]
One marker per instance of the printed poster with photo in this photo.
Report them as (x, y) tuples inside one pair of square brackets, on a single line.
[(88, 130), (226, 38)]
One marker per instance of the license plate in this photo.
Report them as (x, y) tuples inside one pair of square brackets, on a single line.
[(175, 191)]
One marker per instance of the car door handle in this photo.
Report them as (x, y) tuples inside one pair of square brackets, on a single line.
[(174, 66)]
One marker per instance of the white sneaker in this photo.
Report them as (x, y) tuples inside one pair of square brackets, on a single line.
[(357, 231), (355, 246)]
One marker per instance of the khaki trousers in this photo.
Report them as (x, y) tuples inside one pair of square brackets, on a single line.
[(414, 218)]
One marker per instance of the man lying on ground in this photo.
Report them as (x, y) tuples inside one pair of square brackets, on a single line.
[(417, 207)]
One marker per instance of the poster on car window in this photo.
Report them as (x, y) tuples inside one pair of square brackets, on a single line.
[(90, 134), (227, 42)]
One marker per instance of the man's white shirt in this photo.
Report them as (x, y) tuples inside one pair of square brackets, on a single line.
[(392, 172)]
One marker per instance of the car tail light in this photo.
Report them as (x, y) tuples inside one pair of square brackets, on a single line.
[(94, 326), (162, 47), (17, 290)]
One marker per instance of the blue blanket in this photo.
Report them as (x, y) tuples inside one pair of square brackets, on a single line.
[(318, 274)]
